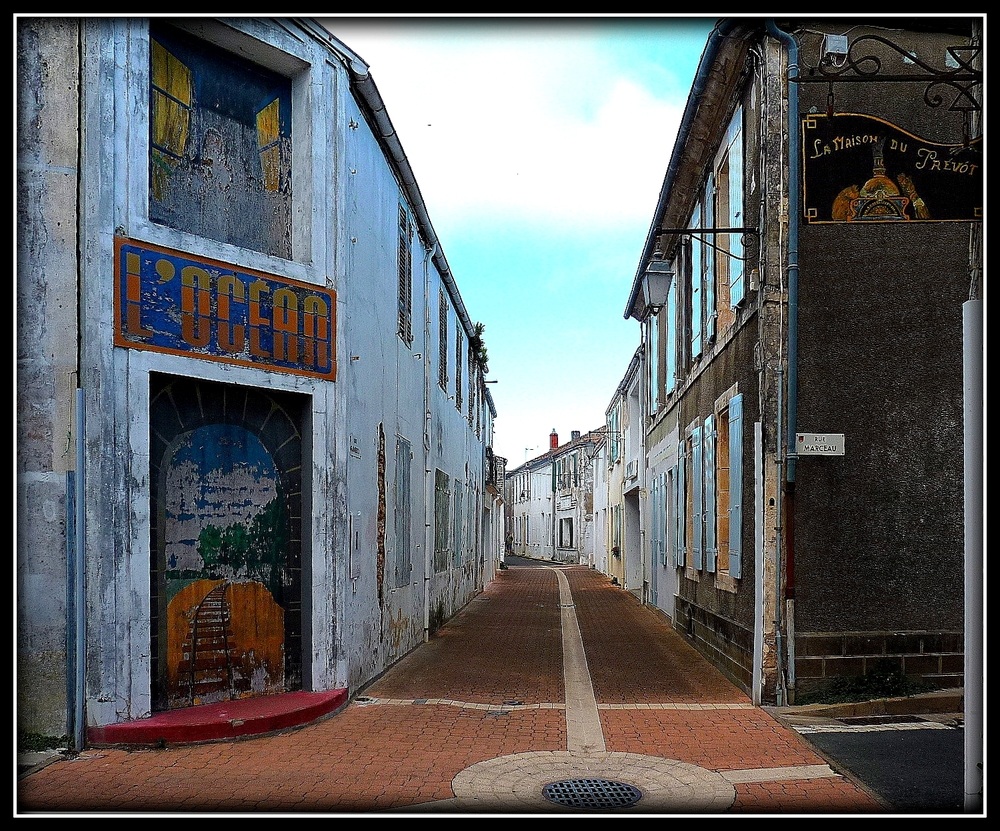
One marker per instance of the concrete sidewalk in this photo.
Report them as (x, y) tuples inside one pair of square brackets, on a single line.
[(551, 692)]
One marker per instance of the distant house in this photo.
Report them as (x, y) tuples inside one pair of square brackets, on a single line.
[(800, 297), (551, 500), (254, 440)]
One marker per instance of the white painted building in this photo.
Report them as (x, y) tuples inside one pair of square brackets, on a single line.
[(248, 385), (551, 500)]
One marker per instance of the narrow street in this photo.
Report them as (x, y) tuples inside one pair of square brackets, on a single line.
[(553, 691)]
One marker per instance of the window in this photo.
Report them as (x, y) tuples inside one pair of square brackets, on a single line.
[(220, 144), (695, 517), (653, 382), (696, 310), (614, 433), (443, 340), (442, 517), (404, 267), (566, 532), (670, 345), (729, 211), (713, 497), (679, 500), (402, 559)]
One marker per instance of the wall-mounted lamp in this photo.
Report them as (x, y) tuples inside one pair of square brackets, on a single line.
[(417, 356), (655, 285)]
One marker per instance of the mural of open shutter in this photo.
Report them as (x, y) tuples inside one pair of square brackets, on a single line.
[(697, 518), (708, 454), (735, 484)]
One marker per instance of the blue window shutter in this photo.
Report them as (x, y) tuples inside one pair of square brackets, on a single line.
[(735, 485), (672, 496), (711, 548), (709, 222), (697, 275), (696, 485), (737, 284)]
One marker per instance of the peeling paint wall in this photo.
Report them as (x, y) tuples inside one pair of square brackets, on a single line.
[(48, 136), (337, 198)]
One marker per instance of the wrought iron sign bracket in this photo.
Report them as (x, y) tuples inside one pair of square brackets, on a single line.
[(700, 233), (964, 80)]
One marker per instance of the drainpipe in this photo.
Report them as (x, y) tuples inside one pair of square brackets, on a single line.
[(793, 330), (76, 603), (429, 493)]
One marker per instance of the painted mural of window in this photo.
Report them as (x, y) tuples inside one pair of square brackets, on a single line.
[(459, 351), (403, 564), (404, 268), (442, 519), (729, 209), (171, 102), (443, 340), (219, 144)]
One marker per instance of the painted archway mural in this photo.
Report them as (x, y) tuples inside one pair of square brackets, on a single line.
[(226, 466)]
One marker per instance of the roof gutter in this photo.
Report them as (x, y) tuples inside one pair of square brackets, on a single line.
[(371, 99), (719, 33)]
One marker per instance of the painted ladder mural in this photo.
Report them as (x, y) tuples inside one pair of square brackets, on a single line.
[(226, 565)]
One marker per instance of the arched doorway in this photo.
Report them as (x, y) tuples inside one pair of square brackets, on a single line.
[(226, 467)]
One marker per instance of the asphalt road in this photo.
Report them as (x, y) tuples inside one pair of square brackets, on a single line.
[(914, 767)]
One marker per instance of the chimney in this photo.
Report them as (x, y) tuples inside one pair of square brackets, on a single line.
[(574, 434), (553, 439)]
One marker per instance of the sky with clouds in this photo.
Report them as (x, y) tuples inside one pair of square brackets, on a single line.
[(539, 145)]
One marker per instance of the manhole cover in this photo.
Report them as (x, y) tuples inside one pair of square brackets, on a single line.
[(591, 793)]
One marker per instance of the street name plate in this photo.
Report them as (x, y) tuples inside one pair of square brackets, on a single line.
[(819, 444)]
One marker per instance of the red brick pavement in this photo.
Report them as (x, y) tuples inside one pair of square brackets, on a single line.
[(387, 750)]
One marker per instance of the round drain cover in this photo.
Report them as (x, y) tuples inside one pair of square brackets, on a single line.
[(591, 793)]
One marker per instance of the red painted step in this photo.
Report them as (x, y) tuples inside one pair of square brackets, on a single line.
[(222, 720)]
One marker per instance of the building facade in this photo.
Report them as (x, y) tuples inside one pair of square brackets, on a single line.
[(254, 440), (551, 500), (800, 296)]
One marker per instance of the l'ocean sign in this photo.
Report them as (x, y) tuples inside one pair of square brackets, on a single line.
[(178, 303), (819, 444)]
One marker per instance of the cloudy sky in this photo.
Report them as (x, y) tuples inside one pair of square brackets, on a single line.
[(539, 145)]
